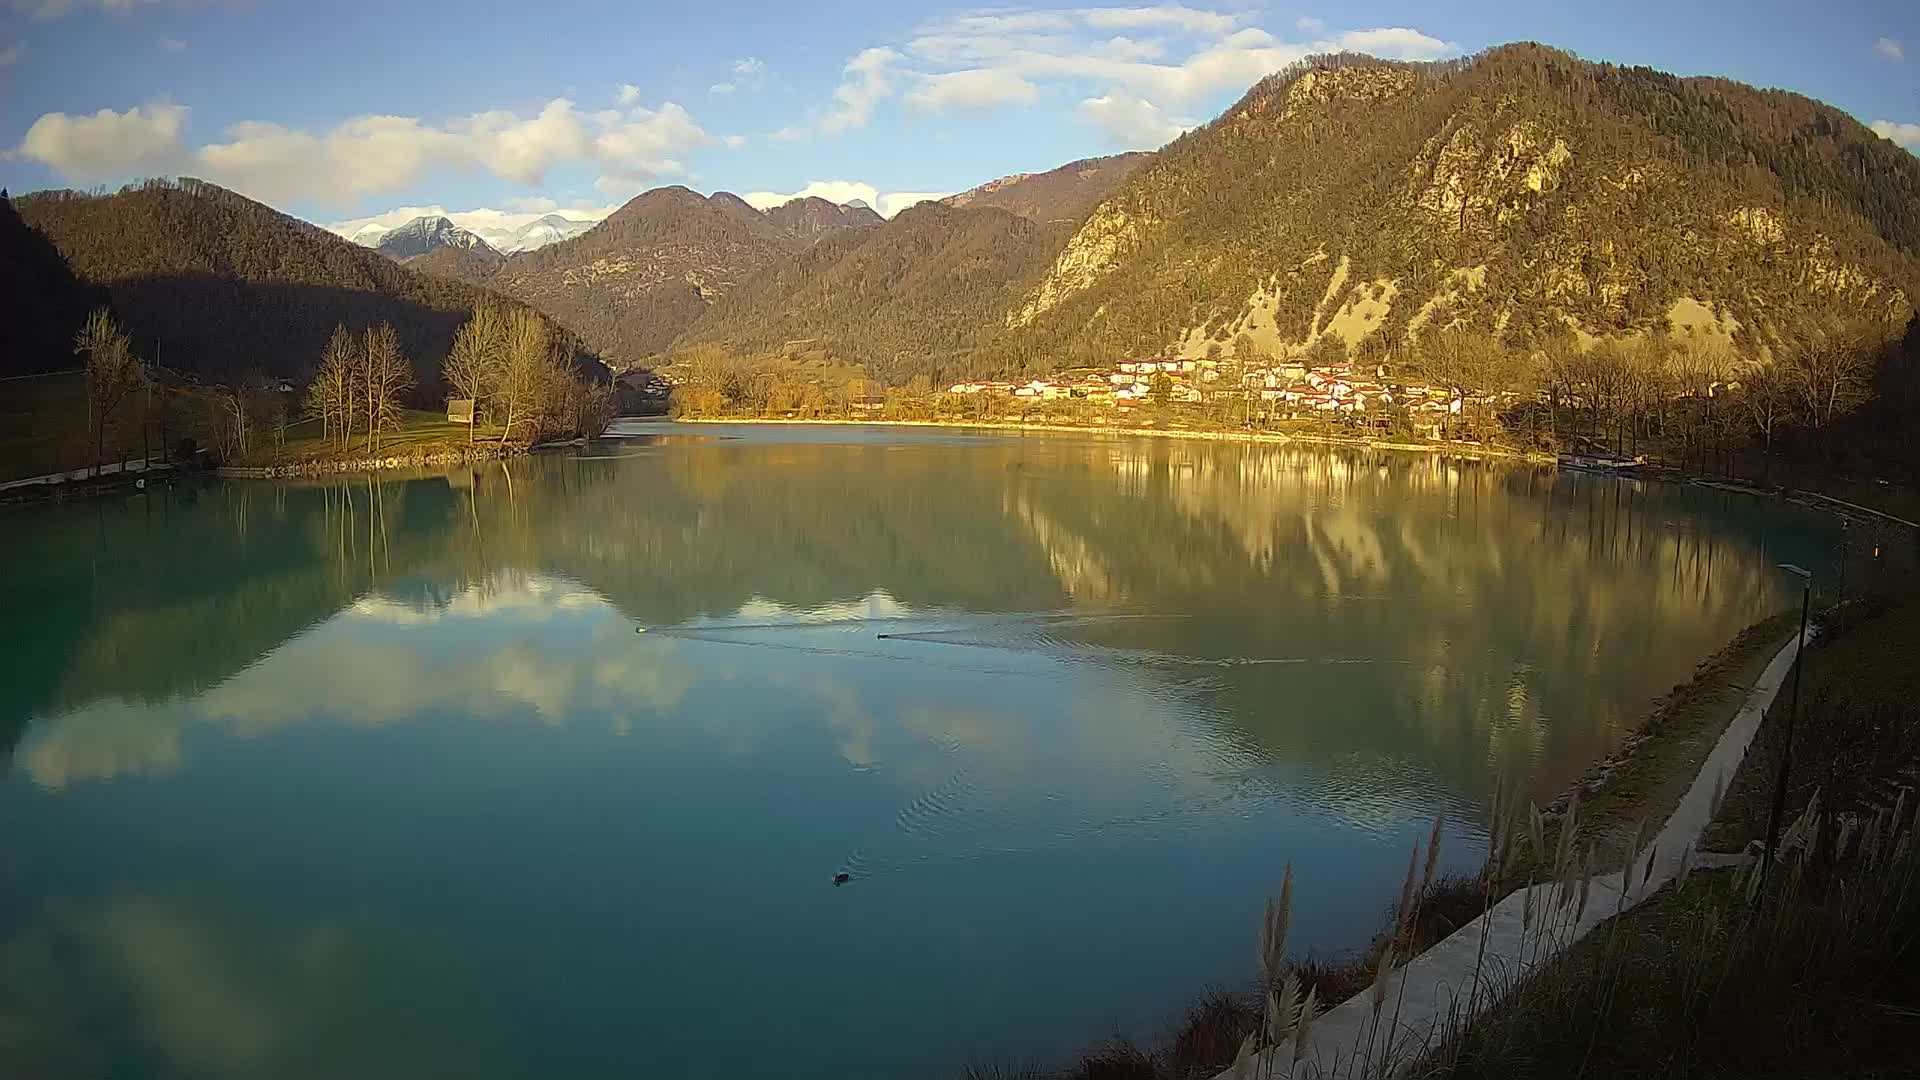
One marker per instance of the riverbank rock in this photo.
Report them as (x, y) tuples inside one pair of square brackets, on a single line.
[(325, 467)]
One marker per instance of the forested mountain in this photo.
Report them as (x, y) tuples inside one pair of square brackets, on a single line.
[(1062, 194), (476, 265), (210, 282), (427, 234), (48, 303), (630, 284), (813, 217), (913, 296), (1352, 203)]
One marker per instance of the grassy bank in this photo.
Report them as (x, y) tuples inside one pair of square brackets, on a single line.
[(1642, 782), (1811, 970), (420, 435), (44, 427)]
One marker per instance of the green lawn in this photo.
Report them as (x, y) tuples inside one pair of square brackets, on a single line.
[(43, 429), (420, 431), (1821, 974), (43, 424)]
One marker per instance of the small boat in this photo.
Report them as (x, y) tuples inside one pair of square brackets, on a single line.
[(842, 878), (1601, 463)]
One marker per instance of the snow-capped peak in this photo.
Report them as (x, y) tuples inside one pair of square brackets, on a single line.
[(424, 234)]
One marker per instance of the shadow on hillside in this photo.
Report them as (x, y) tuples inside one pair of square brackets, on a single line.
[(219, 328)]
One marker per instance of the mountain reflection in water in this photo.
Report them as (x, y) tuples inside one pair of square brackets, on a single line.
[(374, 776)]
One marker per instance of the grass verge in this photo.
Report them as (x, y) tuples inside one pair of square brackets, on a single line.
[(1643, 782), (420, 433), (1810, 970)]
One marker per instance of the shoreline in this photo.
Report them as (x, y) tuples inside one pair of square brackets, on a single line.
[(1472, 450), (1472, 970), (1659, 775), (376, 463), (1807, 497)]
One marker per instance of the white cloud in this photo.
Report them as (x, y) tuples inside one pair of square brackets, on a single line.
[(1395, 43), (895, 201), (11, 53), (364, 155), (53, 9), (1907, 135), (628, 94), (747, 73), (1890, 48), (1170, 57), (734, 142), (369, 154), (1129, 122), (975, 88), (107, 143), (1171, 16), (886, 204), (864, 84), (865, 81), (1221, 53), (644, 141), (173, 44)]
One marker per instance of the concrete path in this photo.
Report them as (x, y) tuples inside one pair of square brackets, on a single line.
[(111, 468), (1473, 968)]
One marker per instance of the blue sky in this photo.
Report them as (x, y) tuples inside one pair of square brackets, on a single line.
[(353, 111)]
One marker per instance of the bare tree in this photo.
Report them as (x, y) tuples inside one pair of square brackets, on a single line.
[(596, 410), (522, 373), (1471, 364), (240, 409), (1831, 375), (113, 374), (477, 358), (387, 375), (1767, 398), (330, 394)]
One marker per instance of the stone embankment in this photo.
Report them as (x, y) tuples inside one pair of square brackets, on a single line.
[(437, 458)]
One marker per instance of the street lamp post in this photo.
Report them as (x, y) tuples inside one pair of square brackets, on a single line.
[(1793, 710)]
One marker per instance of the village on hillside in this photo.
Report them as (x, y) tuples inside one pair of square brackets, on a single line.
[(1288, 389)]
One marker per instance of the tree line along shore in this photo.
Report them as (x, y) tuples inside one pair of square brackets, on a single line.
[(356, 408), (1829, 412)]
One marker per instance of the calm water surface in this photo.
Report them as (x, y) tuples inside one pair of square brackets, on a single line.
[(377, 779)]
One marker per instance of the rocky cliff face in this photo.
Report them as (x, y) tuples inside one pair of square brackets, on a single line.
[(1521, 192)]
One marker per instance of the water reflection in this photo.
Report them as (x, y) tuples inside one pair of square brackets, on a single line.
[(1043, 694)]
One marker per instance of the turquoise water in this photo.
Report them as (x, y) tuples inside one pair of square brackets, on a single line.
[(376, 777)]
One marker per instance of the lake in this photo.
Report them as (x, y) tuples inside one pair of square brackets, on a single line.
[(548, 767)]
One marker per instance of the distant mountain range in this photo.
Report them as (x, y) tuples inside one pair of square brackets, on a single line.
[(635, 281), (425, 234), (210, 282), (1351, 205), (1345, 205)]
